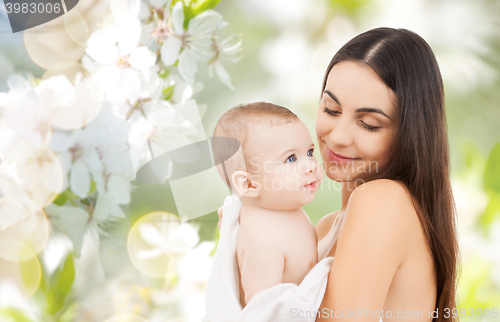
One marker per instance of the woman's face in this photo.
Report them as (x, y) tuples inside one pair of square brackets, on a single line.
[(357, 120)]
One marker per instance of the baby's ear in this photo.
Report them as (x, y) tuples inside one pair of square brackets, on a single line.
[(242, 186)]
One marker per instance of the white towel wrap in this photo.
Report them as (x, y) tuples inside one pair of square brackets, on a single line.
[(283, 302)]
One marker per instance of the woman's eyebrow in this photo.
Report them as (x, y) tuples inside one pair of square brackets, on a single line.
[(333, 97), (359, 110), (372, 110)]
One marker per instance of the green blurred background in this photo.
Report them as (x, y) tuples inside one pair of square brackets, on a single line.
[(287, 45), (286, 48)]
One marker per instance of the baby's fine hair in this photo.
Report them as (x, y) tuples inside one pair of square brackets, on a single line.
[(240, 123)]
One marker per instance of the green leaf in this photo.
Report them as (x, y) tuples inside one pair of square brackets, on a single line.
[(164, 73), (167, 92), (491, 175), (188, 15), (51, 296), (70, 314), (60, 284), (30, 273), (474, 158), (92, 186), (200, 6), (10, 314), (192, 8), (349, 5), (42, 294), (491, 212), (65, 276), (70, 194), (61, 199)]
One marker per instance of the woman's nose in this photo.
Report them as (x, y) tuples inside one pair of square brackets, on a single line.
[(340, 135)]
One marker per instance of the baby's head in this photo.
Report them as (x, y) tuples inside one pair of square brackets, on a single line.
[(274, 167)]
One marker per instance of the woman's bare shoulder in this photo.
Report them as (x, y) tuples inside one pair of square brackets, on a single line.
[(324, 224), (383, 191), (383, 205)]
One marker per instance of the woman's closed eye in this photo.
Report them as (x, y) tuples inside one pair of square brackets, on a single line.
[(370, 128), (366, 126), (331, 112)]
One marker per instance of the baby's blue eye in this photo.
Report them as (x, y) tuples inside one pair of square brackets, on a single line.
[(310, 153), (291, 158)]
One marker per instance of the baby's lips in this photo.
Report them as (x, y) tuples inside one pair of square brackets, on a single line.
[(309, 182)]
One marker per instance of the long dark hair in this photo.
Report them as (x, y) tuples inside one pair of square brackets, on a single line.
[(420, 151)]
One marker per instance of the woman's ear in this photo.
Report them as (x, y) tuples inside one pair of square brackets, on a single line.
[(242, 185)]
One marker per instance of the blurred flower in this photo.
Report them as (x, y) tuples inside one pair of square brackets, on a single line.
[(70, 107), (37, 168), (181, 91), (228, 49), (13, 111), (72, 221), (125, 79), (167, 239), (151, 7), (163, 131), (12, 297), (114, 190), (21, 87), (79, 158), (120, 37), (87, 125), (194, 270), (148, 100), (191, 45), (9, 179), (122, 63)]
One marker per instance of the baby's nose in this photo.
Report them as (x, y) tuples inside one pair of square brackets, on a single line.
[(311, 166)]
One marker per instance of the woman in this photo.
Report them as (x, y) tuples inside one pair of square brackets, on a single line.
[(382, 107), (382, 133)]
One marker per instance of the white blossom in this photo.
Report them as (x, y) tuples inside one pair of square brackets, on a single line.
[(68, 106), (191, 45), (167, 238), (79, 158), (228, 49)]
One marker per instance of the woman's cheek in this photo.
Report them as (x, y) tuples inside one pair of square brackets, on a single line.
[(378, 151), (321, 125)]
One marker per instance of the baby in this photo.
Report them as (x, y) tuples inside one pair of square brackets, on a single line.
[(274, 173)]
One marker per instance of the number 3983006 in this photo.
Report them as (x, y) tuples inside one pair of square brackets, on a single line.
[(33, 7)]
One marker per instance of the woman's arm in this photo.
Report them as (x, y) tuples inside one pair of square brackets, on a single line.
[(372, 245)]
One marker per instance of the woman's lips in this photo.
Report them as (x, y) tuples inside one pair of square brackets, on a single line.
[(334, 157)]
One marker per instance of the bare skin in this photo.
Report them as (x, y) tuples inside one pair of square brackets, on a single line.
[(382, 261), (273, 247), (276, 242), (400, 276)]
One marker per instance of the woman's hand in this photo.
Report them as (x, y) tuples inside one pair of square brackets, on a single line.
[(219, 212)]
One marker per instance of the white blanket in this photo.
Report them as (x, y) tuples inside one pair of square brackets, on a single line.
[(282, 302)]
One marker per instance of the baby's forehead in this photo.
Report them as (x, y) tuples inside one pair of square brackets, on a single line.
[(274, 137)]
